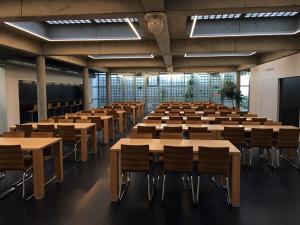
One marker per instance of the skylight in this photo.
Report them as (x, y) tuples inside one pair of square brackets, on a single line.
[(248, 15), (111, 20)]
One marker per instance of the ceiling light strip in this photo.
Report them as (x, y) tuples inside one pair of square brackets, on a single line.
[(133, 28)]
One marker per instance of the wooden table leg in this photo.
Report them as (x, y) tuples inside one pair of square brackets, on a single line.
[(121, 124), (114, 176), (133, 116), (59, 168), (106, 131), (235, 180), (94, 139), (84, 147), (38, 174)]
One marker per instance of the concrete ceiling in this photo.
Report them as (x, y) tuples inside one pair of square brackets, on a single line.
[(281, 36)]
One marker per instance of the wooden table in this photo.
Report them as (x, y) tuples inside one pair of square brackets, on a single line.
[(216, 128), (36, 146), (108, 125), (156, 146), (204, 118), (83, 128)]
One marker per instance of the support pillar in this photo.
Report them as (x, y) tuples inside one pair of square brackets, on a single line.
[(108, 80), (238, 85), (86, 88), (41, 87)]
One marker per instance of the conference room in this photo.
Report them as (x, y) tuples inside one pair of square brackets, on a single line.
[(149, 112)]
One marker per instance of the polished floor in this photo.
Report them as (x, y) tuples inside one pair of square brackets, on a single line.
[(267, 198)]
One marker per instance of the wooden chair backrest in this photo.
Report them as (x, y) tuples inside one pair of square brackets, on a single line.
[(178, 159), (170, 135), (135, 158), (261, 137), (11, 158), (16, 134), (288, 138), (46, 128), (212, 160), (66, 132), (173, 129), (27, 128), (236, 135)]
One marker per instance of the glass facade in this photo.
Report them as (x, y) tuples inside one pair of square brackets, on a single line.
[(155, 88)]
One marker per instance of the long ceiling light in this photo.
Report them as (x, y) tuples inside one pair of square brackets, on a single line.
[(136, 56), (217, 54)]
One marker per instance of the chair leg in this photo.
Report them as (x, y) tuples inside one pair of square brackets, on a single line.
[(7, 192), (163, 188), (192, 186), (250, 156), (150, 190), (198, 187), (2, 175), (122, 192), (296, 166), (183, 181), (228, 191)]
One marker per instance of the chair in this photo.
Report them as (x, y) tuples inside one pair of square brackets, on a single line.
[(16, 134), (147, 129), (272, 123), (229, 122), (74, 118), (178, 160), (135, 158), (240, 120), (218, 120), (288, 139), (65, 121), (83, 121), (69, 136), (172, 129), (174, 114), (262, 138), (157, 114), (48, 152), (250, 123), (154, 118), (261, 120), (13, 159), (200, 133), (46, 128), (27, 128), (213, 161), (236, 135), (141, 135), (175, 120)]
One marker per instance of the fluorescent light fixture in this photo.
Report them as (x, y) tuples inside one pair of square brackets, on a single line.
[(138, 37), (27, 31), (217, 54), (193, 26), (133, 28), (137, 56)]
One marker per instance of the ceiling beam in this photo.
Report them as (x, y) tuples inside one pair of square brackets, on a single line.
[(157, 62), (74, 60), (19, 42), (236, 44), (271, 56), (97, 48), (214, 61), (198, 69), (17, 10), (138, 70)]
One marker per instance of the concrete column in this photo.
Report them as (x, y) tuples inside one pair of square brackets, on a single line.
[(86, 88), (41, 87), (108, 98), (238, 85)]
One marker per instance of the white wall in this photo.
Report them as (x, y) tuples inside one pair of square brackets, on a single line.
[(264, 84), (15, 73)]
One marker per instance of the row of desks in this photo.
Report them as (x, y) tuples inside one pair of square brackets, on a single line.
[(157, 145), (204, 118)]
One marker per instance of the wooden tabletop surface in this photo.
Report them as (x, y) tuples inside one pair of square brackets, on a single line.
[(30, 144), (78, 126), (157, 145), (215, 127)]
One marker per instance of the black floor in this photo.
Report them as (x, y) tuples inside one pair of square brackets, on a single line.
[(267, 198)]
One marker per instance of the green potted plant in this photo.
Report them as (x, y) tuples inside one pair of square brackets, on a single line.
[(231, 92), (189, 94)]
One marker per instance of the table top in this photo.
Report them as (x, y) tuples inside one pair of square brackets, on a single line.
[(215, 127), (157, 145), (30, 144), (78, 126), (205, 118), (86, 117)]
